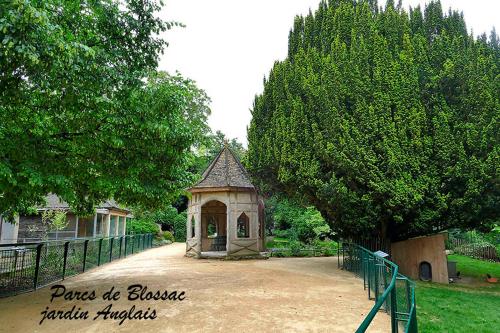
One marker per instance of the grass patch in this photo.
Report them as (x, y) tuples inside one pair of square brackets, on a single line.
[(461, 307), (442, 308), (475, 267)]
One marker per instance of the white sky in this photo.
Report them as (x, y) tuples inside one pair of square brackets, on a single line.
[(228, 46)]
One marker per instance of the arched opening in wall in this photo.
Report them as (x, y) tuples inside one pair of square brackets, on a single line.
[(425, 271), (193, 224), (213, 226), (243, 226)]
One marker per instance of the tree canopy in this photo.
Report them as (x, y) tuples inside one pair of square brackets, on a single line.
[(83, 114), (386, 120), (207, 150)]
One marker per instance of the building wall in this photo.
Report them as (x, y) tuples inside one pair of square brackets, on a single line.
[(31, 228), (86, 226), (410, 253)]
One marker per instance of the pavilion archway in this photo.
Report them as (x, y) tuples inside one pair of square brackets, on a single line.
[(214, 227)]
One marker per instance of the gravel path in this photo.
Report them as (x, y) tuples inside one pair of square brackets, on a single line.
[(275, 295)]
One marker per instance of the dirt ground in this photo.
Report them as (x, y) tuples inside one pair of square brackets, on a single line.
[(275, 295)]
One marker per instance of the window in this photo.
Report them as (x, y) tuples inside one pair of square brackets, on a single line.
[(211, 227), (193, 223), (243, 226)]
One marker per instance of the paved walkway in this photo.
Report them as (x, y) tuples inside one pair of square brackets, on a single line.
[(275, 295)]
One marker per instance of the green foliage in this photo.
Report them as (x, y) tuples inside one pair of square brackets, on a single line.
[(493, 237), (292, 248), (82, 113), (290, 220), (475, 244), (168, 217), (52, 220), (208, 149), (385, 121), (142, 226), (167, 235), (295, 247)]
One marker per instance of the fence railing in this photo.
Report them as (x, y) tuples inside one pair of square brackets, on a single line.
[(28, 266), (473, 244), (393, 293)]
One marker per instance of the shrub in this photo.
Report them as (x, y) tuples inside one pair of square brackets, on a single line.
[(167, 217), (142, 226), (282, 233), (160, 242), (295, 247), (167, 235), (291, 220)]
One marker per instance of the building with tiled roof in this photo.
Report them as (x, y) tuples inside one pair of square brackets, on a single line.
[(225, 212), (110, 219)]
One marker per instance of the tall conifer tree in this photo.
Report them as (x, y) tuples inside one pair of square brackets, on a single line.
[(386, 120)]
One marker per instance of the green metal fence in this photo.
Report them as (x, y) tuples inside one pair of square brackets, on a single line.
[(28, 266), (393, 293)]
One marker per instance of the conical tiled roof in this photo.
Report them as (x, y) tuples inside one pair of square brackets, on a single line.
[(225, 171)]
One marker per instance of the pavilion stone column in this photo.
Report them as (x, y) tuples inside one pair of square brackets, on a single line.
[(107, 222), (193, 244), (254, 219), (232, 207), (197, 227), (124, 225), (94, 226)]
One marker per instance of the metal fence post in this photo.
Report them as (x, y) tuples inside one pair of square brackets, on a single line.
[(125, 245), (394, 320), (338, 255), (343, 256), (66, 245), (111, 250), (85, 246), (413, 319), (408, 295), (363, 262), (120, 253), (369, 277), (37, 264), (99, 255)]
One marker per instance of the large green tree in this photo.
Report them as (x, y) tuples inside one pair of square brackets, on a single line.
[(83, 113), (386, 121)]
